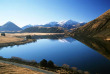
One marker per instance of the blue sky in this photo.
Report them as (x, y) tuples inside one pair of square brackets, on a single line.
[(23, 12)]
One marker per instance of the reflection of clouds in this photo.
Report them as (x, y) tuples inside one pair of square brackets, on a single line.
[(62, 40), (69, 39)]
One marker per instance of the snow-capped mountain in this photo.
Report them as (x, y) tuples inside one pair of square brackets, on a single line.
[(65, 24), (52, 24), (68, 24), (27, 26), (82, 23)]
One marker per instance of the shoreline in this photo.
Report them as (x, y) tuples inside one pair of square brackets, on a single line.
[(35, 66), (17, 43), (32, 34), (12, 67), (12, 39)]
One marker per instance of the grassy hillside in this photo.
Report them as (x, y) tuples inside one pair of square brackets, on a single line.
[(99, 27)]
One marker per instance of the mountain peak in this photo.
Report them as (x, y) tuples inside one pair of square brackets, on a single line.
[(10, 26), (53, 23), (71, 21), (9, 22)]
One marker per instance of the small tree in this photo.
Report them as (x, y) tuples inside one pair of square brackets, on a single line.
[(28, 37), (2, 34), (50, 64), (43, 63)]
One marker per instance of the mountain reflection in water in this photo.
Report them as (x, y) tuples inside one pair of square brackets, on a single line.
[(100, 45), (65, 50)]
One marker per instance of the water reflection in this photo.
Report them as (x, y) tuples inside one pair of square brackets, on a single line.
[(48, 36), (61, 38), (71, 52), (68, 39), (11, 46), (102, 46), (52, 37)]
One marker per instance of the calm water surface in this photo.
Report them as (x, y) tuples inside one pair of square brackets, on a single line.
[(61, 51)]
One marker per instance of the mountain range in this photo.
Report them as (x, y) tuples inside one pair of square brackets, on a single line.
[(27, 26), (69, 24), (10, 26), (99, 27)]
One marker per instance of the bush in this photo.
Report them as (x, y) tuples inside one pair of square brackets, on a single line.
[(65, 66), (16, 58), (33, 62), (28, 37), (50, 64), (2, 34), (1, 57), (43, 63)]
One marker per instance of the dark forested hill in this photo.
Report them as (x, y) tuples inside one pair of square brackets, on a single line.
[(44, 30)]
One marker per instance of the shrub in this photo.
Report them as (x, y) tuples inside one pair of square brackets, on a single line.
[(28, 37), (1, 57), (16, 58), (43, 63), (50, 64), (33, 62), (74, 68), (2, 34), (65, 66)]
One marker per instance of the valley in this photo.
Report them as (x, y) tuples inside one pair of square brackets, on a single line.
[(54, 37)]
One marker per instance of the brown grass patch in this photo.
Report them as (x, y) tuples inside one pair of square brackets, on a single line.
[(12, 69), (9, 39), (24, 34)]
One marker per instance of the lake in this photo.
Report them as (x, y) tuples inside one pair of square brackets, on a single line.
[(87, 56)]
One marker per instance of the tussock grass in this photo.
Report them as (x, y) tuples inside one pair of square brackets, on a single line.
[(65, 69), (12, 69)]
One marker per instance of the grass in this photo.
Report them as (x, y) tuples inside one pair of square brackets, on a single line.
[(56, 69), (6, 39), (18, 38), (12, 69), (25, 34), (12, 40)]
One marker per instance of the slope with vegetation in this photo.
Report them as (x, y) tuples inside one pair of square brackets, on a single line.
[(12, 69), (44, 30), (44, 66), (99, 27)]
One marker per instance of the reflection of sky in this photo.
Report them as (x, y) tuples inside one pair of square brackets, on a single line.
[(75, 54), (69, 39)]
